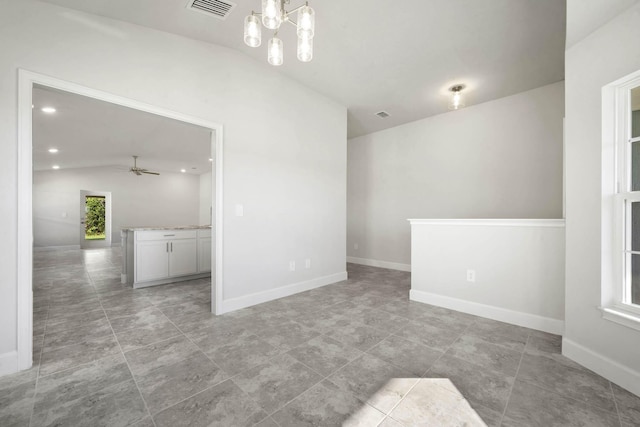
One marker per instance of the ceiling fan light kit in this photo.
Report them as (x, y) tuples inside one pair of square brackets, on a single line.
[(273, 15)]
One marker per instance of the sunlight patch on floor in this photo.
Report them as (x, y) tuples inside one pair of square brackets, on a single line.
[(407, 402)]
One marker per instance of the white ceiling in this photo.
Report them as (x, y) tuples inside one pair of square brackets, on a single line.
[(91, 133), (397, 56)]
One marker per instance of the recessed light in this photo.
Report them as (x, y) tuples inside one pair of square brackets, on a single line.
[(53, 150), (183, 170), (48, 110), (211, 160), (55, 167)]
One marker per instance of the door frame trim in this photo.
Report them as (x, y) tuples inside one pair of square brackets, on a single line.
[(24, 247)]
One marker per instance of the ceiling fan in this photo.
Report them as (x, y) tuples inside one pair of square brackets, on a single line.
[(139, 171)]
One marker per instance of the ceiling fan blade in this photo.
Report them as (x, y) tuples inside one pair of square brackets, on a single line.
[(136, 172), (150, 173)]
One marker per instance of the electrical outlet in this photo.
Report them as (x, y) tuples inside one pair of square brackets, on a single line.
[(292, 266), (307, 263), (471, 275), (355, 246)]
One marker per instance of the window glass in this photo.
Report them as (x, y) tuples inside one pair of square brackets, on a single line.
[(635, 166), (635, 112), (635, 226), (635, 279)]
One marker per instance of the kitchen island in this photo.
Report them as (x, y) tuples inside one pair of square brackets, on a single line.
[(159, 255)]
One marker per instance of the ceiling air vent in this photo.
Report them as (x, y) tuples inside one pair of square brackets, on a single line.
[(382, 114), (219, 9)]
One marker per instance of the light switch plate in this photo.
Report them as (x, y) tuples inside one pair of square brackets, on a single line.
[(239, 210)]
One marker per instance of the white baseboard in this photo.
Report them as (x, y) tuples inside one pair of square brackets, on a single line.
[(533, 321), (381, 264), (233, 304), (602, 365), (8, 363), (55, 248)]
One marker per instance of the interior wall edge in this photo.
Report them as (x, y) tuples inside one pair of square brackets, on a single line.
[(238, 303), (9, 362), (377, 263), (615, 372), (527, 320)]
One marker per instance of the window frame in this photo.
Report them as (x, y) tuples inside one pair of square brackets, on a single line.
[(617, 199)]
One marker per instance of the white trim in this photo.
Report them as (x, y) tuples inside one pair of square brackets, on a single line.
[(381, 264), (603, 366), (621, 317), (217, 288), (616, 195), (56, 248), (493, 222), (9, 363), (281, 292), (24, 249), (546, 324)]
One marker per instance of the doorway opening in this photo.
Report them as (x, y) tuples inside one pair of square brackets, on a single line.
[(57, 217), (95, 219)]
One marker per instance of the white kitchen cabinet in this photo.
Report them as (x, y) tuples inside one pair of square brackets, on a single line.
[(158, 256), (152, 260), (204, 251), (183, 257)]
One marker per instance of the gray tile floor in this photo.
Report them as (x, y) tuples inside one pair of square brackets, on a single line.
[(356, 353)]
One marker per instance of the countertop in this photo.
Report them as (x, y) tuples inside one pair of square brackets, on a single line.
[(168, 227)]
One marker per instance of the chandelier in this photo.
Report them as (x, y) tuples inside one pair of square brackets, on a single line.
[(272, 16)]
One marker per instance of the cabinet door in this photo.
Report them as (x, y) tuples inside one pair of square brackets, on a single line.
[(183, 257), (152, 260), (204, 254)]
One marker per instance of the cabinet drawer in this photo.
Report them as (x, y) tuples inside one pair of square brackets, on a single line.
[(165, 234)]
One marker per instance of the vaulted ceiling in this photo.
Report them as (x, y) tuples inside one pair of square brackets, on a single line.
[(396, 56), (91, 133)]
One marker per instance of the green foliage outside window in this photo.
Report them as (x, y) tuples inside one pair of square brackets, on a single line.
[(94, 226)]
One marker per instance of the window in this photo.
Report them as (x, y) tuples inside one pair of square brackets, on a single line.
[(628, 151), (621, 127)]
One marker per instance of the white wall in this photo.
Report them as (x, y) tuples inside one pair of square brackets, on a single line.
[(518, 266), (284, 144), (609, 53), (166, 199), (206, 213), (500, 159)]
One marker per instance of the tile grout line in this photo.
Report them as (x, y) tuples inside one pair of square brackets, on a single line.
[(448, 348), (615, 402), (212, 361), (515, 378), (133, 377), (361, 355), (388, 415), (35, 389), (272, 358)]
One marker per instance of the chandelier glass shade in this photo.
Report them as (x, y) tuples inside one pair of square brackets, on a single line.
[(272, 16), (252, 31)]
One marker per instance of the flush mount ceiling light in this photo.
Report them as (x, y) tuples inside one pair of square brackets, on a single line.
[(53, 150), (55, 167), (48, 110), (272, 16), (457, 101)]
